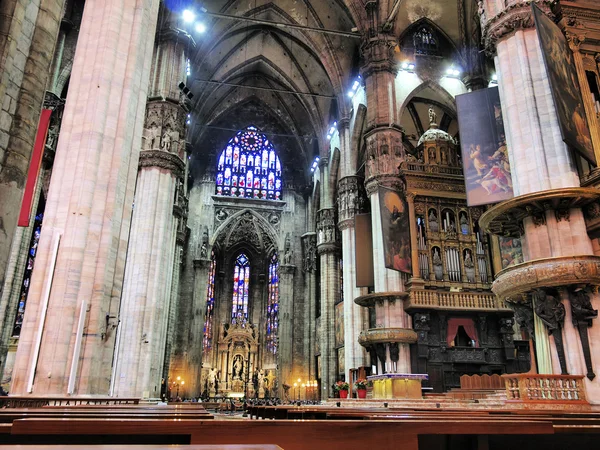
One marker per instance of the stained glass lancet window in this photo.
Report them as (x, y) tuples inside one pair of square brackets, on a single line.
[(241, 278), (37, 229), (210, 304), (249, 167), (273, 305)]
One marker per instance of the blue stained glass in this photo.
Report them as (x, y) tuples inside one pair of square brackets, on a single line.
[(273, 305), (241, 280), (210, 305), (251, 155)]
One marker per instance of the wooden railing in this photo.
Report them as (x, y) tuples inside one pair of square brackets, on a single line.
[(454, 300), (545, 388), (431, 168)]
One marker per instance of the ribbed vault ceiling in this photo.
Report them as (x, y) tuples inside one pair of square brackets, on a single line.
[(268, 60)]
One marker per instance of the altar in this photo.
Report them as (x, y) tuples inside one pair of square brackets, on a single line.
[(397, 385)]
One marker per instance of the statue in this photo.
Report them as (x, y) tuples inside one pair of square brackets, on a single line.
[(550, 310), (437, 264), (152, 135), (583, 313), (203, 251), (523, 315), (261, 379), (468, 259), (329, 234), (464, 223), (432, 116), (287, 257), (166, 140), (237, 367), (552, 313), (581, 307), (433, 223)]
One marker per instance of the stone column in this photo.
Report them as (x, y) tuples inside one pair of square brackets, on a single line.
[(286, 324), (309, 255), (69, 347), (354, 315), (327, 249), (152, 258), (384, 154), (27, 42), (540, 162)]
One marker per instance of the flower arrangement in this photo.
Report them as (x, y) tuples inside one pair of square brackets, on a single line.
[(361, 383), (341, 386)]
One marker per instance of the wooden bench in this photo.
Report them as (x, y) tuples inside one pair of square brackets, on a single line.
[(290, 435), (37, 402)]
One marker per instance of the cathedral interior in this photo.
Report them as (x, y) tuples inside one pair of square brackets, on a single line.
[(261, 198)]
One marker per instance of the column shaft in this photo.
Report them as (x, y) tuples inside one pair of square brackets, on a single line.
[(89, 204)]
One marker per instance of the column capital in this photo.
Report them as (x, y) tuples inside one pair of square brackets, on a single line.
[(344, 123), (162, 160), (326, 230), (378, 54), (516, 16), (351, 200), (309, 248), (389, 181), (385, 151)]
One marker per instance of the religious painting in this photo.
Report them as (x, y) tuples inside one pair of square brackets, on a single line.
[(484, 150), (395, 230), (339, 324), (341, 360), (564, 86), (511, 251), (318, 336)]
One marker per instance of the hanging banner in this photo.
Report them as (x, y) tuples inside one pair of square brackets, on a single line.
[(395, 230), (365, 276), (564, 85), (483, 143), (34, 168)]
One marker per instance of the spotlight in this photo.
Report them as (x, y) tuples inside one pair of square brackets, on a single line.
[(449, 71), (200, 28), (495, 77), (411, 67), (405, 65), (456, 72), (351, 94), (188, 16)]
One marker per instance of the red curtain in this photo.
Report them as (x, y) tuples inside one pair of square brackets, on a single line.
[(467, 324)]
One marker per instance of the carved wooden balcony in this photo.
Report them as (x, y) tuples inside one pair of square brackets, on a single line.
[(463, 301), (469, 355)]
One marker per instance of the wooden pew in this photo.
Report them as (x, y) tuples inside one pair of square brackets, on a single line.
[(290, 435), (37, 402)]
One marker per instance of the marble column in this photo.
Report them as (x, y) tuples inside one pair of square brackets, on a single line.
[(540, 161), (354, 315), (328, 251), (286, 325), (383, 155), (67, 341), (309, 267), (160, 205)]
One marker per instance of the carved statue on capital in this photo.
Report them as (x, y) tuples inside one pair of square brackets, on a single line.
[(582, 314), (524, 316), (310, 253), (551, 311)]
